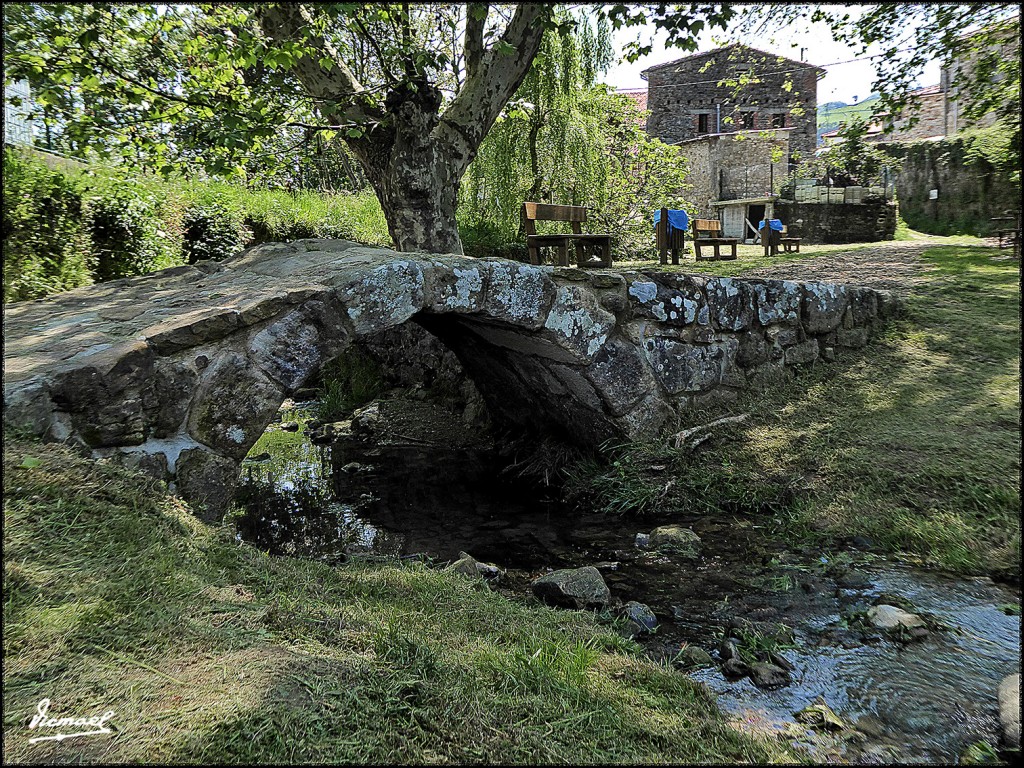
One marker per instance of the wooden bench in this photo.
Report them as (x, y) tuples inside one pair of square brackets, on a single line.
[(708, 232), (599, 246), (674, 242)]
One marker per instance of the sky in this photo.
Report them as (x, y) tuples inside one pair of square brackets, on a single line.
[(846, 82)]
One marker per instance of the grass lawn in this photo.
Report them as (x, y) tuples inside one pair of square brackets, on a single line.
[(913, 442), (116, 598)]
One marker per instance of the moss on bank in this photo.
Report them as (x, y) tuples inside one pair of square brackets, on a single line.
[(116, 598), (913, 442)]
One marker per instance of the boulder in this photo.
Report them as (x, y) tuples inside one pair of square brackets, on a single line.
[(691, 657), (675, 539), (890, 617), (1009, 710), (467, 565), (640, 617), (735, 668), (573, 588), (765, 675)]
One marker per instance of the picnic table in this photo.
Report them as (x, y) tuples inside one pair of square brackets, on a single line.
[(598, 246)]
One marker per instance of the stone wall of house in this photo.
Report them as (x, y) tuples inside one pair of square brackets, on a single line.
[(734, 166), (680, 92), (931, 121), (866, 222), (971, 190)]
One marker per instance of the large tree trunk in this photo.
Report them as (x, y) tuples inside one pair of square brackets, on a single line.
[(414, 157), (413, 173), (419, 200)]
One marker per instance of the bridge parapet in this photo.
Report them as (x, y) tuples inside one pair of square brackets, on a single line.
[(180, 371)]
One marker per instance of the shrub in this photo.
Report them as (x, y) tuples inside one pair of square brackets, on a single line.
[(45, 242), (350, 381), (131, 233), (213, 231)]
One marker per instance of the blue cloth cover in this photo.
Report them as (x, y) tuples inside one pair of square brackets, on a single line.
[(676, 220), (775, 224)]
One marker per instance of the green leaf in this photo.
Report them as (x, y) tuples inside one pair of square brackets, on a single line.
[(29, 462)]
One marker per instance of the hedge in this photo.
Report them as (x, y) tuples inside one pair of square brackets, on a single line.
[(68, 227)]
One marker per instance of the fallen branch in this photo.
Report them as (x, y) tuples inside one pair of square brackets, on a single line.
[(680, 438)]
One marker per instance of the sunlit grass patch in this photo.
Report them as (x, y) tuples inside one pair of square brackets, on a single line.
[(115, 597), (913, 442)]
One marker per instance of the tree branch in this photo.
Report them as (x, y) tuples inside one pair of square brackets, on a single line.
[(324, 82), (495, 79), (473, 45)]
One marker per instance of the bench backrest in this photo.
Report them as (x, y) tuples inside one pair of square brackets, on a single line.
[(531, 212), (707, 228)]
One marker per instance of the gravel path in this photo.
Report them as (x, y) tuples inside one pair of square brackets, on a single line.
[(891, 266)]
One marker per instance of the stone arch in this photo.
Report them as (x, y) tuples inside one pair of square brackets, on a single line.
[(180, 371)]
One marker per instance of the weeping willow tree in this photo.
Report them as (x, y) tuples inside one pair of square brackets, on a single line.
[(547, 145), (564, 139)]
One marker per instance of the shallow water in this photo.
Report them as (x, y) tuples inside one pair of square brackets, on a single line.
[(921, 702)]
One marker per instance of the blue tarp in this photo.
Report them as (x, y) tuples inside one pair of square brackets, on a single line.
[(676, 220), (775, 224)]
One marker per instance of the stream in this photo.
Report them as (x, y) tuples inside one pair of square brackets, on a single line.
[(924, 701)]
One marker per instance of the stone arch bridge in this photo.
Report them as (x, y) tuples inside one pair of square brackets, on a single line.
[(180, 371)]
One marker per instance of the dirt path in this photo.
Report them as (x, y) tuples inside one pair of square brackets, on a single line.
[(891, 266)]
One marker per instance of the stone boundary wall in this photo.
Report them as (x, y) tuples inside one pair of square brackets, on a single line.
[(970, 192), (869, 221), (180, 371)]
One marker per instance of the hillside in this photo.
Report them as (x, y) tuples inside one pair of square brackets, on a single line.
[(834, 113)]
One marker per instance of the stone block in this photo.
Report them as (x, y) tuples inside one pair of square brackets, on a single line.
[(206, 481), (294, 347), (823, 306), (777, 301), (863, 305), (519, 294), (387, 296), (166, 398), (806, 352), (853, 337), (730, 303), (101, 391), (192, 329), (233, 405), (753, 349), (577, 323), (619, 373), (456, 288), (681, 367)]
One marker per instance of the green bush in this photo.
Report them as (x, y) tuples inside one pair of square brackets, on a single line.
[(64, 228), (130, 231), (45, 242), (482, 239), (213, 231)]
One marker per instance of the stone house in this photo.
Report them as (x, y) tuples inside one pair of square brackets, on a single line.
[(731, 89)]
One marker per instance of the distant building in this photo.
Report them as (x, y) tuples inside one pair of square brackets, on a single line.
[(735, 88), (17, 127)]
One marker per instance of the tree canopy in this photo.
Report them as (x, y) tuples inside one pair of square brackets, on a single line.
[(411, 89)]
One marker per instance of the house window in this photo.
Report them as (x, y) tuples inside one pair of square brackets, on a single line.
[(747, 120), (702, 123), (779, 120)]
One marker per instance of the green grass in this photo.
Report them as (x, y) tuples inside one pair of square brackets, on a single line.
[(913, 441), (116, 598)]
